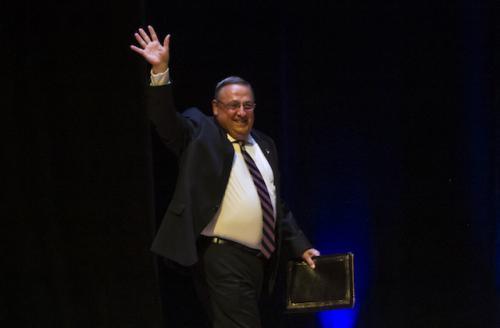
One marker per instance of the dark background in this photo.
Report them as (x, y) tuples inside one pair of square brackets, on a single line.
[(385, 116)]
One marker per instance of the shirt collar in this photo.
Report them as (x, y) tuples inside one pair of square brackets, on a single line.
[(250, 140)]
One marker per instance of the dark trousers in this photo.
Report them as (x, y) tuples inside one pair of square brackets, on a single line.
[(229, 283)]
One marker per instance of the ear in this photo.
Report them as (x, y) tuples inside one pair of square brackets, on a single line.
[(215, 109)]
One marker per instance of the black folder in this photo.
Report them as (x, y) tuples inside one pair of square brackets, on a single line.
[(329, 286)]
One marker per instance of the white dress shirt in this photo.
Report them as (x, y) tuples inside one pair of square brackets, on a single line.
[(240, 216)]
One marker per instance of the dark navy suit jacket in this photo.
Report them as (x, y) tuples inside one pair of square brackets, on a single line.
[(205, 158)]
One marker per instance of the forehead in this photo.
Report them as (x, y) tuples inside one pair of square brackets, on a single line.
[(235, 91)]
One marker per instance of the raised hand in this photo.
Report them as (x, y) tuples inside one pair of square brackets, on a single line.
[(155, 53)]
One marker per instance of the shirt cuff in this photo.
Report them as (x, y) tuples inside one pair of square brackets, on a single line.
[(159, 79)]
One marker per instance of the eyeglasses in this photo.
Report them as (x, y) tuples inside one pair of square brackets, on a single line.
[(248, 106)]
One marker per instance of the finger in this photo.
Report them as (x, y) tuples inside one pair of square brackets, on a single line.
[(140, 40), (144, 35), (152, 32), (310, 262), (136, 49), (166, 41)]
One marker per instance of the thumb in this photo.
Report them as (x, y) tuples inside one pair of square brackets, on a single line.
[(310, 262)]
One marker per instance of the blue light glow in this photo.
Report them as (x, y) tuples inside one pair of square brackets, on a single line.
[(338, 318), (344, 224)]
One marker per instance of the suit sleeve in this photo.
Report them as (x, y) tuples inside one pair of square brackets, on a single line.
[(172, 127), (292, 235)]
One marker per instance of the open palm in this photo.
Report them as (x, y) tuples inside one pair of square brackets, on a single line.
[(155, 53)]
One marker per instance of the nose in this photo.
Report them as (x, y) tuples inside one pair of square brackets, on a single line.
[(241, 111)]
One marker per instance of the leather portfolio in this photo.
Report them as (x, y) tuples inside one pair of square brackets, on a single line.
[(329, 286)]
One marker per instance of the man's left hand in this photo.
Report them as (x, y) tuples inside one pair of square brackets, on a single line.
[(308, 256)]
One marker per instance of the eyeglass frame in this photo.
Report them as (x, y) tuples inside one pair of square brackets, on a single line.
[(227, 106)]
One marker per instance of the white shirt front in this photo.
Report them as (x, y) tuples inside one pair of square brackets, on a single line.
[(240, 216)]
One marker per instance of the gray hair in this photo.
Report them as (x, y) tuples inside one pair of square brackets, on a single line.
[(231, 80)]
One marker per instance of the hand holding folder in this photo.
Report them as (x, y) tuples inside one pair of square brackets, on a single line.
[(329, 286)]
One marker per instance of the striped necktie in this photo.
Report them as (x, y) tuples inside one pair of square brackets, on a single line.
[(267, 245)]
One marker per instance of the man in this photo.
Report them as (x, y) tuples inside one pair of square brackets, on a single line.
[(225, 219)]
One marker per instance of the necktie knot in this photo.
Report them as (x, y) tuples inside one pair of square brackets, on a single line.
[(241, 143)]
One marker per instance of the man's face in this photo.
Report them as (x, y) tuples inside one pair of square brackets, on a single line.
[(233, 109)]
